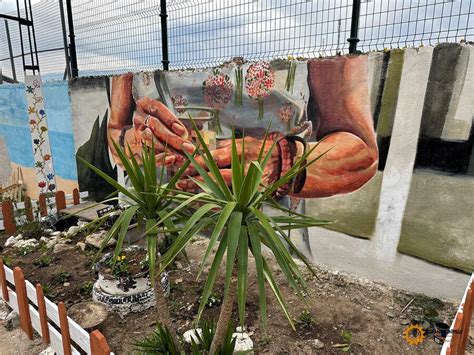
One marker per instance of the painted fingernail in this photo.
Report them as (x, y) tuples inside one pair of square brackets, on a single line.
[(178, 129), (188, 146), (170, 159)]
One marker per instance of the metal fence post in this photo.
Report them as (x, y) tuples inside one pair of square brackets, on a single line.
[(63, 28), (10, 50), (353, 39), (164, 34), (72, 41)]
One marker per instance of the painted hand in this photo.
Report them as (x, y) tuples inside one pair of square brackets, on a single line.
[(222, 156)]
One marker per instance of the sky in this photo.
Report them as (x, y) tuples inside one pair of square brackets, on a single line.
[(120, 35)]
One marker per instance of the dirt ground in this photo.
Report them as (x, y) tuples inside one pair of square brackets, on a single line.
[(338, 303), (15, 342)]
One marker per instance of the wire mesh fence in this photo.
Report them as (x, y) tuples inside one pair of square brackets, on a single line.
[(114, 36)]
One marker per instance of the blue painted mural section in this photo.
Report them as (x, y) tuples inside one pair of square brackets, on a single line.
[(14, 126)]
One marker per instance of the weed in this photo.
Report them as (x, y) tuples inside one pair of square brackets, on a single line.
[(26, 250), (33, 230), (8, 261), (86, 288), (61, 277), (306, 319), (44, 261), (48, 291), (347, 341)]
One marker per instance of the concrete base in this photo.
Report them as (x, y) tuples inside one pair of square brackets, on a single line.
[(356, 256)]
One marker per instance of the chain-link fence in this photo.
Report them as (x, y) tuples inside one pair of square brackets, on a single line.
[(114, 36)]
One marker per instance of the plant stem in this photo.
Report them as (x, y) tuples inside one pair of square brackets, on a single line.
[(226, 312), (161, 306), (217, 122), (260, 109)]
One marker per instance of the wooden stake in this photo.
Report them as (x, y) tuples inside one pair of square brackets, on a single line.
[(64, 325), (75, 197), (42, 205), (23, 306), (60, 200), (42, 314), (3, 281), (99, 344), (8, 217)]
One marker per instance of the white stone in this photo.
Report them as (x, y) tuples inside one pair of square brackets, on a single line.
[(318, 344), (81, 223), (97, 239), (57, 233), (73, 230), (10, 241), (60, 248), (51, 243), (82, 246), (44, 240), (19, 237), (30, 243), (191, 334), (243, 342), (48, 351)]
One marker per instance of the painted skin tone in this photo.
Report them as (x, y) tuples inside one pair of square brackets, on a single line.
[(344, 128)]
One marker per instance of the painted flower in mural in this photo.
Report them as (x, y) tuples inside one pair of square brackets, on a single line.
[(31, 110), (43, 128), (32, 122), (36, 141), (41, 112), (217, 90), (29, 89), (42, 184), (39, 164), (287, 113), (46, 157), (36, 83), (50, 176), (259, 82), (51, 187), (179, 101)]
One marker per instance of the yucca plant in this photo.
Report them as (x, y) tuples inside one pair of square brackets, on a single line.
[(238, 218), (148, 200), (159, 342)]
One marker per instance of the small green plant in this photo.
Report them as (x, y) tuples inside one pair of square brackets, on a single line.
[(33, 230), (119, 265), (61, 277), (43, 261), (26, 250), (144, 264), (159, 342), (48, 291), (86, 288), (306, 319), (213, 301), (347, 341), (8, 261)]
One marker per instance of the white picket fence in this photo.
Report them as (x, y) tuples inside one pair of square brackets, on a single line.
[(34, 203)]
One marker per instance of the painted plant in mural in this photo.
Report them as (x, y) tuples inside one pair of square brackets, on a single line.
[(217, 91), (259, 82), (39, 134)]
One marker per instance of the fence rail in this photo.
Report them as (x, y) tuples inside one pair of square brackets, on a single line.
[(119, 36), (38, 313)]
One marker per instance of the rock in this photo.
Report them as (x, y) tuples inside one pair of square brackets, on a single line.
[(81, 223), (51, 243), (44, 240), (179, 266), (60, 248), (10, 242), (318, 344), (81, 246), (48, 351), (56, 234), (405, 322), (12, 320), (73, 230), (243, 342), (240, 329), (30, 243), (190, 334), (97, 239), (307, 350), (19, 237), (66, 284), (390, 315)]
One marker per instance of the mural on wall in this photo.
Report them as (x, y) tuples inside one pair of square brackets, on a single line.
[(330, 104), (15, 130), (37, 120), (399, 125)]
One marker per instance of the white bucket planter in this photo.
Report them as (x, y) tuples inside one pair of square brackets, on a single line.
[(126, 294)]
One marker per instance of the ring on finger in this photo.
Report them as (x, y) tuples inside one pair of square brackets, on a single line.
[(147, 117)]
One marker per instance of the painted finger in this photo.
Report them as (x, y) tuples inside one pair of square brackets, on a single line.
[(191, 186), (149, 139), (167, 137), (163, 113), (164, 159)]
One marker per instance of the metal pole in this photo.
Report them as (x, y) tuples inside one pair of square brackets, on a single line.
[(353, 39), (164, 34), (72, 41), (21, 35), (10, 50), (34, 35), (63, 26)]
